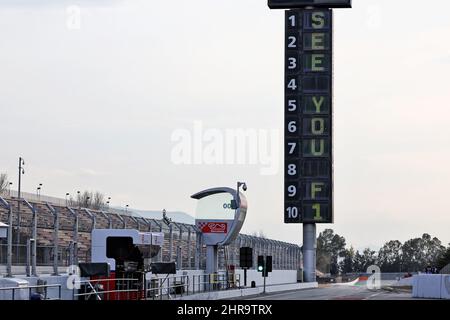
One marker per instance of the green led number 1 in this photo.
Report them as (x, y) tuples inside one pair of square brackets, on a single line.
[(317, 216)]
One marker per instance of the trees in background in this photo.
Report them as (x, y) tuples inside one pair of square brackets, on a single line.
[(418, 253), (259, 234), (88, 199), (412, 256), (347, 265), (390, 256), (98, 201), (330, 247), (3, 182), (355, 261), (444, 259), (365, 259)]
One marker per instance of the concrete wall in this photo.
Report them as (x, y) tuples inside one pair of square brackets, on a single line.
[(275, 277), (404, 282), (52, 293), (431, 286), (248, 292), (20, 294)]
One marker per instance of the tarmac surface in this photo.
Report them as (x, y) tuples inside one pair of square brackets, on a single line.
[(338, 292)]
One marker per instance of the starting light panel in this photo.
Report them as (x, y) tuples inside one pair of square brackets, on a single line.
[(298, 4), (308, 113), (261, 263)]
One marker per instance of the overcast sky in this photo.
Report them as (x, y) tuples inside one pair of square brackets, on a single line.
[(95, 107)]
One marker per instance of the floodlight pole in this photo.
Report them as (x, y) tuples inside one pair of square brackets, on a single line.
[(21, 171)]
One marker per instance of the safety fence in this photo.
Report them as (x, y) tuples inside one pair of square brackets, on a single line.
[(63, 237), (215, 282), (164, 288), (44, 255), (108, 289), (38, 292), (155, 288)]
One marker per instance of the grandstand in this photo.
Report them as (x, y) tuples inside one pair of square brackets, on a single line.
[(73, 227)]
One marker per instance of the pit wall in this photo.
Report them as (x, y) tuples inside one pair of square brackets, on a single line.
[(277, 277)]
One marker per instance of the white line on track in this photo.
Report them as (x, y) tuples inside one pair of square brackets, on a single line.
[(372, 296), (277, 295)]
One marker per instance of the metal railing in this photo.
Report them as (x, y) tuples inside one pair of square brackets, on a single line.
[(167, 288), (215, 282), (44, 255), (39, 289), (108, 289), (36, 198), (156, 288)]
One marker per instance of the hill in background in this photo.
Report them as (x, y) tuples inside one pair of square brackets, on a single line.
[(176, 216)]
